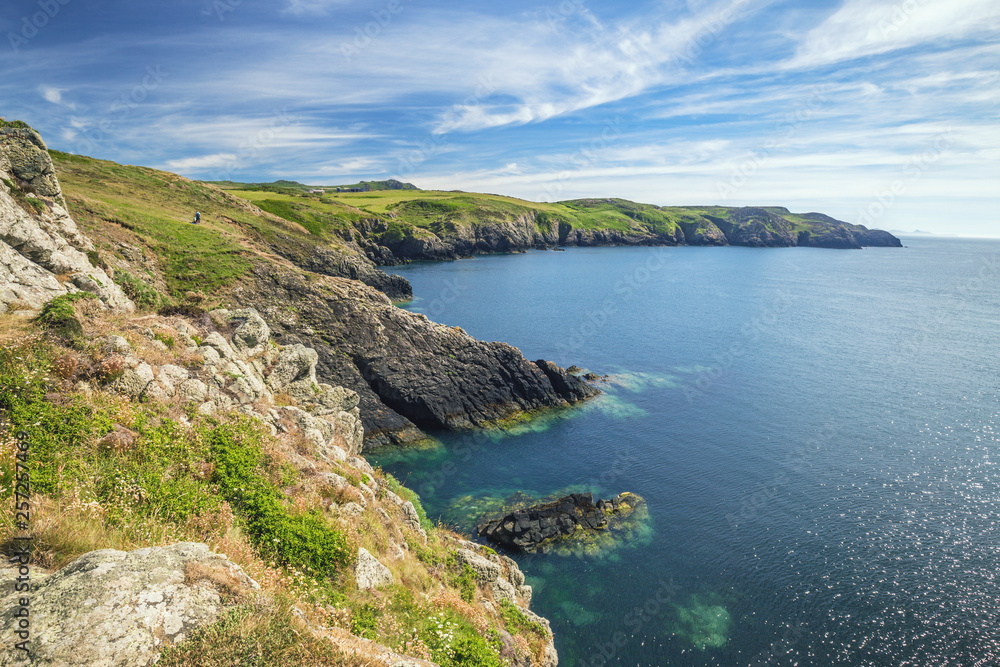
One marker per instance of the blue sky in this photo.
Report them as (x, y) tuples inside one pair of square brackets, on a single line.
[(879, 112)]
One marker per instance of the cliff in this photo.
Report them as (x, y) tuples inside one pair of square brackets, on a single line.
[(198, 490)]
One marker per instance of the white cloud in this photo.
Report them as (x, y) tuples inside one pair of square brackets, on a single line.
[(866, 27), (215, 161), (54, 95)]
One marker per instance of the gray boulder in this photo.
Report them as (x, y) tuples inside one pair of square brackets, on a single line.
[(296, 364), (116, 609), (369, 573), (252, 335)]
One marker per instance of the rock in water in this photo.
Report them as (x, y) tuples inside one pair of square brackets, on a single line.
[(113, 608), (536, 528)]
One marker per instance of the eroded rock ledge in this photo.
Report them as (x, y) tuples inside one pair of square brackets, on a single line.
[(409, 372)]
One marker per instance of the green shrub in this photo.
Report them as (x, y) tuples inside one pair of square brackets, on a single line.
[(144, 296), (517, 622), (166, 339), (466, 583), (59, 315), (302, 540)]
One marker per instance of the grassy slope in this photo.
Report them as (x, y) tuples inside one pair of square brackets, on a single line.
[(152, 210)]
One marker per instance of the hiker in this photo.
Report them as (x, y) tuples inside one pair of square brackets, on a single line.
[(197, 218)]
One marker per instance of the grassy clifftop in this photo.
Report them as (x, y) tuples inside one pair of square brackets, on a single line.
[(430, 224)]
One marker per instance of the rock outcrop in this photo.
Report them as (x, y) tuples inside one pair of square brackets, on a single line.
[(410, 373), (42, 252), (244, 372), (535, 528), (118, 609)]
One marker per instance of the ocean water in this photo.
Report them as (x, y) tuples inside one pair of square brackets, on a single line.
[(815, 432)]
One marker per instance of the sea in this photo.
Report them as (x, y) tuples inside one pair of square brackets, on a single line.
[(815, 433)]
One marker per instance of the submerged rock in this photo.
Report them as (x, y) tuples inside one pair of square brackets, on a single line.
[(536, 528)]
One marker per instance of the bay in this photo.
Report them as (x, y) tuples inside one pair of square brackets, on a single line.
[(814, 431)]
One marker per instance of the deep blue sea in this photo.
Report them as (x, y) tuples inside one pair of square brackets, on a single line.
[(815, 432)]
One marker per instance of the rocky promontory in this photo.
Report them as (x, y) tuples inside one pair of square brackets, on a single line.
[(410, 373)]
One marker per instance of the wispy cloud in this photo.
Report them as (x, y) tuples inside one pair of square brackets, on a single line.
[(866, 27)]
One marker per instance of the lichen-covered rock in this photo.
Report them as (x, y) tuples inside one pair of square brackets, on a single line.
[(134, 381), (296, 364), (116, 609), (369, 573), (252, 335)]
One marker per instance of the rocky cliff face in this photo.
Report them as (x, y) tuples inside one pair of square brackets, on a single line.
[(409, 372), (748, 226), (42, 253)]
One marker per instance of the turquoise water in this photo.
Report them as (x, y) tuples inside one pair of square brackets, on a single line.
[(815, 432)]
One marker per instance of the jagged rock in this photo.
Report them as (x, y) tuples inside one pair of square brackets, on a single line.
[(410, 516), (171, 377), (408, 372), (37, 244), (193, 390), (115, 608), (486, 570), (216, 341), (369, 573), (210, 355), (361, 464), (116, 345), (120, 438)]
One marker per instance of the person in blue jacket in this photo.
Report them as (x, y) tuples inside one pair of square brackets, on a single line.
[(197, 218)]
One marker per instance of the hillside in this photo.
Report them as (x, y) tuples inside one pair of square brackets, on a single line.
[(400, 225), (198, 492), (307, 275)]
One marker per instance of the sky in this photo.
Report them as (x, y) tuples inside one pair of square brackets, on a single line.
[(883, 113)]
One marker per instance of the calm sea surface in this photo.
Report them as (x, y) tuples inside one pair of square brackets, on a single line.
[(815, 432)]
